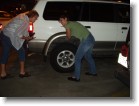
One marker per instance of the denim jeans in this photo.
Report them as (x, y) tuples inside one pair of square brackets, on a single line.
[(85, 50), (7, 45)]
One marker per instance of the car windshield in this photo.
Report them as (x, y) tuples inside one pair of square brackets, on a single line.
[(4, 15)]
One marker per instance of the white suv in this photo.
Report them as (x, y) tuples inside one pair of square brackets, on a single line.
[(107, 21)]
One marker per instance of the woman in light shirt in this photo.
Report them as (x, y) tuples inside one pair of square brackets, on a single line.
[(13, 36)]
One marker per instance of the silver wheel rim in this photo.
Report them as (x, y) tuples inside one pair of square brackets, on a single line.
[(65, 59)]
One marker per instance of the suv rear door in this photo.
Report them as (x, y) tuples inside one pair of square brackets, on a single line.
[(99, 19)]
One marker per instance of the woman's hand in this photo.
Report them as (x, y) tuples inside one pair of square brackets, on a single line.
[(27, 38)]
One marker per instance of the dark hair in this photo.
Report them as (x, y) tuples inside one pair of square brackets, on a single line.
[(64, 16), (32, 13)]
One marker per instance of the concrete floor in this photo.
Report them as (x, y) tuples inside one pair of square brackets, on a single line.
[(46, 82)]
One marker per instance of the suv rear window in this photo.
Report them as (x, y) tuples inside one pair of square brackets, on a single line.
[(102, 12), (123, 13)]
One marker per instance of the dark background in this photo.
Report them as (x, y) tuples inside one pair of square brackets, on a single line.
[(17, 6)]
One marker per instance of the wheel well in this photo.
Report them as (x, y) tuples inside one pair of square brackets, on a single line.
[(62, 41), (58, 40)]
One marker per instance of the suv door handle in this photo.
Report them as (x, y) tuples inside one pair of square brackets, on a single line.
[(124, 28), (88, 26)]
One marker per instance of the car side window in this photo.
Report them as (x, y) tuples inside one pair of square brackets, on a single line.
[(123, 13), (102, 12), (54, 9), (85, 16)]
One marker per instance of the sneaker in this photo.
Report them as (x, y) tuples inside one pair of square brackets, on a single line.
[(73, 79)]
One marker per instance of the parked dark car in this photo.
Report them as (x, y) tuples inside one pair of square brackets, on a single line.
[(124, 74), (4, 18)]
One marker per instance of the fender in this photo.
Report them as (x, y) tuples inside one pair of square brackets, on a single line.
[(51, 40), (59, 38)]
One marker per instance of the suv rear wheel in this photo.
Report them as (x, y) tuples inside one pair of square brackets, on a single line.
[(62, 58)]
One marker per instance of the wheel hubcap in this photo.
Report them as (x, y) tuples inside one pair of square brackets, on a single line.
[(65, 59)]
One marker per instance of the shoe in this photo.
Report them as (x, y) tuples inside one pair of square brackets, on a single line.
[(6, 77), (73, 79), (24, 75), (87, 73)]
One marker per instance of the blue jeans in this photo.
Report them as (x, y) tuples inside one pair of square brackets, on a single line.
[(7, 45), (85, 49)]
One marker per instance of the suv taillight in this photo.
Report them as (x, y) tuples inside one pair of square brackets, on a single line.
[(124, 50), (0, 26), (31, 28)]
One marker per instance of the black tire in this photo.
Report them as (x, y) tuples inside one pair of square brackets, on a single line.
[(62, 58)]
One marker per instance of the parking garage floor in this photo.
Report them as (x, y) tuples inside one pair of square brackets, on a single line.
[(46, 82)]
